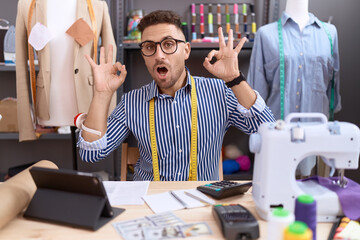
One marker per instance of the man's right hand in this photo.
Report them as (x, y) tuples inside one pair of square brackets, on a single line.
[(106, 79)]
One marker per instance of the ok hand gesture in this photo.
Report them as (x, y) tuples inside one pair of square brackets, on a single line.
[(106, 79), (226, 65)]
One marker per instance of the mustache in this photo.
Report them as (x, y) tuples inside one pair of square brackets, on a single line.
[(160, 63)]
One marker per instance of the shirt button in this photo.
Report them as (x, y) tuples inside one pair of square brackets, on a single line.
[(175, 101), (177, 126), (76, 71), (299, 80), (297, 93), (300, 66), (301, 54), (180, 150), (179, 173), (297, 106)]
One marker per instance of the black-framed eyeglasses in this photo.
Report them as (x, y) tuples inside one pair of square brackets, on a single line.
[(167, 45)]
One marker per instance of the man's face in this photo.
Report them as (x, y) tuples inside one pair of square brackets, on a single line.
[(168, 70)]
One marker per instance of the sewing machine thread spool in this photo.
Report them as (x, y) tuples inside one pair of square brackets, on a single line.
[(305, 211), (298, 231), (279, 220)]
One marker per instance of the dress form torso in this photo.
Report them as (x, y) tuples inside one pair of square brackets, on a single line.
[(63, 104), (298, 11)]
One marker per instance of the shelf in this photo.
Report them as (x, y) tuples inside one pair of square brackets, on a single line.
[(194, 45), (247, 45), (8, 68), (45, 136), (12, 68)]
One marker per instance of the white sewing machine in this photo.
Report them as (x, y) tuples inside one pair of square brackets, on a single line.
[(280, 146)]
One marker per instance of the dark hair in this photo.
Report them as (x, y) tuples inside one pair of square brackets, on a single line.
[(159, 16)]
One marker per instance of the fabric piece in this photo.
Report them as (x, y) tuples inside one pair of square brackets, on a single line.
[(40, 35), (349, 196), (81, 32)]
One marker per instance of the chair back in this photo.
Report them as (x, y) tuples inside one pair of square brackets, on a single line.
[(129, 156)]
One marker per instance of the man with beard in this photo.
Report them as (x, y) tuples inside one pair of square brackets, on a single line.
[(179, 120)]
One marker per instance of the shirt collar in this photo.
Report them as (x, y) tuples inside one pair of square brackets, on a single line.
[(312, 19), (154, 90)]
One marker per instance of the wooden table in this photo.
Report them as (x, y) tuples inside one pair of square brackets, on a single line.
[(21, 228)]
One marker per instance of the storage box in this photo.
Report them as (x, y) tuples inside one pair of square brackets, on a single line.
[(8, 111)]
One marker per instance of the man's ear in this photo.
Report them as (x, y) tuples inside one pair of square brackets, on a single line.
[(187, 50)]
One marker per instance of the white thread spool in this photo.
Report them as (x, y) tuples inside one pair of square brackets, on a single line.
[(279, 219)]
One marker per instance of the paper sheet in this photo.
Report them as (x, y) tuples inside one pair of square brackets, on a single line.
[(126, 193), (40, 35), (164, 202)]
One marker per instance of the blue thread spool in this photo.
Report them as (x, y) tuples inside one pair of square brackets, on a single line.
[(305, 211)]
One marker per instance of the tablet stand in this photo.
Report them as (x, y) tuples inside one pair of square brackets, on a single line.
[(70, 208)]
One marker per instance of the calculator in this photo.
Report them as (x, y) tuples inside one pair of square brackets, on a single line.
[(236, 222), (223, 189)]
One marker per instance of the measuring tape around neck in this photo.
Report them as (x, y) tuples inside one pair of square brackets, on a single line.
[(31, 49), (331, 107), (282, 72), (193, 147)]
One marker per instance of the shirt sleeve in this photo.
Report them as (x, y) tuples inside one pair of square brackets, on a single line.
[(248, 120), (117, 132), (337, 97)]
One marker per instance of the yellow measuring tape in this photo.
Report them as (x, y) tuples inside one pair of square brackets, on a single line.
[(31, 56), (31, 49), (93, 22), (193, 149)]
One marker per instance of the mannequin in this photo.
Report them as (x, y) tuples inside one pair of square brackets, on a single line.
[(62, 89), (310, 64), (64, 81), (298, 10)]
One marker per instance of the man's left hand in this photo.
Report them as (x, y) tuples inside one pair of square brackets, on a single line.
[(226, 65)]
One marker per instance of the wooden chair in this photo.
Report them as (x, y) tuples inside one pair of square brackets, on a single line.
[(130, 155)]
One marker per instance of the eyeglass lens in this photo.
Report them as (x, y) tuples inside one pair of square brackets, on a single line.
[(168, 46)]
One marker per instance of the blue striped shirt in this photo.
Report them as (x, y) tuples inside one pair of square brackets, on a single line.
[(309, 66), (218, 109)]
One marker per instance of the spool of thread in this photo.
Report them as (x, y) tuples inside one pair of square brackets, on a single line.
[(297, 231), (185, 29), (305, 211), (244, 162), (279, 220), (230, 166)]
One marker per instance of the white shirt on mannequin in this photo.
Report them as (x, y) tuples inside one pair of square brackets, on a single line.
[(60, 16), (298, 11)]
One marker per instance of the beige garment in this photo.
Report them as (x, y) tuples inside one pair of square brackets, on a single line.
[(82, 70), (17, 192)]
